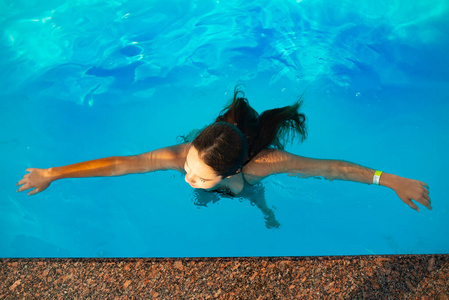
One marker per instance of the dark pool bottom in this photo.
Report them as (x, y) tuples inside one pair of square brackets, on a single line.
[(348, 277)]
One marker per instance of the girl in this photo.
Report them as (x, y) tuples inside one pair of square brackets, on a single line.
[(239, 149)]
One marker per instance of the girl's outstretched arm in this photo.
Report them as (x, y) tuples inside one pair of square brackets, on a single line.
[(161, 159), (271, 161)]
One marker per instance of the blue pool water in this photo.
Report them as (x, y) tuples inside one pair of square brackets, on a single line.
[(82, 79)]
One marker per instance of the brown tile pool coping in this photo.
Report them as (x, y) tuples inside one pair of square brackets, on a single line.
[(336, 277)]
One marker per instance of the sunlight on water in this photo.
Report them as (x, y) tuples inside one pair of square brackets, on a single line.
[(301, 41)]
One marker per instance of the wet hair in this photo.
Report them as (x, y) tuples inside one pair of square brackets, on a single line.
[(223, 147), (240, 133)]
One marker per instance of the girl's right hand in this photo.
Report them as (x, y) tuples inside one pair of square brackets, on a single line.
[(39, 179)]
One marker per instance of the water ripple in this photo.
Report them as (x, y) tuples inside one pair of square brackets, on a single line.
[(291, 40)]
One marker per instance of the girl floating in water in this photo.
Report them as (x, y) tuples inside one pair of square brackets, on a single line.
[(239, 149)]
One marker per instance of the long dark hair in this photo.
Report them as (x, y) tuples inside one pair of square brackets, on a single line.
[(240, 133)]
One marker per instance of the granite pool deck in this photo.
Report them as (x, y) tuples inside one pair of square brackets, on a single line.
[(340, 277)]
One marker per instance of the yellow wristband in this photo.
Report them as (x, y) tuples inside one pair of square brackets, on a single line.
[(377, 177)]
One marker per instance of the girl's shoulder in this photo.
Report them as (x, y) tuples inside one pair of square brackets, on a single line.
[(264, 164), (180, 152), (172, 157)]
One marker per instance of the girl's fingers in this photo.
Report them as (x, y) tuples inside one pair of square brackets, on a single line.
[(429, 202), (21, 181), (412, 205), (423, 202), (24, 187), (425, 186), (33, 192)]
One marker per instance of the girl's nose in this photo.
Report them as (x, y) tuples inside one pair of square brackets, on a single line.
[(189, 179)]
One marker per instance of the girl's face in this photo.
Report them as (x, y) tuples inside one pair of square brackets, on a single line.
[(198, 174)]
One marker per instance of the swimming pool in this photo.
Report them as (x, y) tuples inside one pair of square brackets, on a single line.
[(87, 79)]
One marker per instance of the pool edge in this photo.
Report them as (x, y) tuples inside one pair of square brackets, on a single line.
[(344, 277)]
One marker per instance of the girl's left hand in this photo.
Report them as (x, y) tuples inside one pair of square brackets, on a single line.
[(409, 189)]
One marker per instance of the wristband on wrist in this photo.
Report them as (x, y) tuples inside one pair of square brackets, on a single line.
[(376, 177)]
